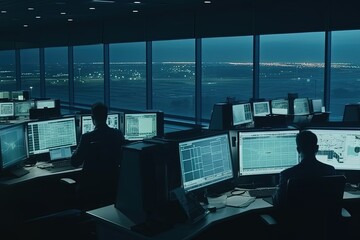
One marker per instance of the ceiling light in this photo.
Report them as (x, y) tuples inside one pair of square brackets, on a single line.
[(135, 11), (25, 25), (104, 1), (37, 17), (91, 8), (63, 13), (30, 8), (137, 2), (207, 2), (70, 20), (3, 11)]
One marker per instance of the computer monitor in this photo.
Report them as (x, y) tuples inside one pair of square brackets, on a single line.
[(261, 108), (139, 126), (88, 126), (267, 151), (301, 106), (5, 95), (280, 106), (13, 147), (241, 114), (316, 105), (6, 109), (18, 95), (338, 147), (44, 135), (45, 103), (22, 108), (205, 161)]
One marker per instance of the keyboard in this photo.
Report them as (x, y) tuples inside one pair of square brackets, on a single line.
[(262, 192), (61, 165)]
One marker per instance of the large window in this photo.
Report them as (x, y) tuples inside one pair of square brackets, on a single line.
[(30, 71), (56, 73), (292, 63), (88, 74), (345, 71), (174, 77), (226, 70), (7, 71), (128, 76)]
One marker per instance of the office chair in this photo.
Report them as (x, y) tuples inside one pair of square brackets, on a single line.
[(95, 188), (313, 210)]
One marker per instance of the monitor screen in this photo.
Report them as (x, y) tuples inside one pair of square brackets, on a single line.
[(317, 105), (241, 114), (48, 103), (17, 95), (339, 147), (6, 109), (44, 135), (88, 126), (13, 145), (301, 106), (261, 109), (22, 108), (267, 151), (280, 106), (139, 126), (205, 161), (5, 95)]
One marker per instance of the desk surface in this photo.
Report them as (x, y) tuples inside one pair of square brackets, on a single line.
[(34, 173), (113, 218)]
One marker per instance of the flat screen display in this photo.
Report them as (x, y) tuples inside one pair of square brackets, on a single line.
[(267, 151), (205, 161), (44, 135), (339, 147)]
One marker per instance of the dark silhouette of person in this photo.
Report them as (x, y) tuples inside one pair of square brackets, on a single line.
[(99, 153), (309, 166)]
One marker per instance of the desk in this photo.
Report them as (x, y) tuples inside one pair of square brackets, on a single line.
[(112, 224), (34, 174), (33, 194)]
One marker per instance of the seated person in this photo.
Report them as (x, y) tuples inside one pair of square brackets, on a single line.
[(99, 151), (309, 166)]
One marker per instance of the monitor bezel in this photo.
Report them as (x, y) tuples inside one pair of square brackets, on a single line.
[(23, 158), (261, 114), (243, 173), (155, 114), (210, 184), (278, 113), (328, 129), (308, 107), (233, 114), (41, 151), (13, 109)]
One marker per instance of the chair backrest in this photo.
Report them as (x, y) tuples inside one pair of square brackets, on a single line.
[(314, 204), (98, 183)]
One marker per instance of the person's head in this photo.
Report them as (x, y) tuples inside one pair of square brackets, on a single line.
[(99, 113), (306, 142)]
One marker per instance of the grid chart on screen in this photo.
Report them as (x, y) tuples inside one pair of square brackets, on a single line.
[(267, 152), (205, 161), (45, 135), (339, 148)]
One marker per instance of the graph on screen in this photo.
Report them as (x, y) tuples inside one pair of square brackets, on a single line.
[(267, 152)]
